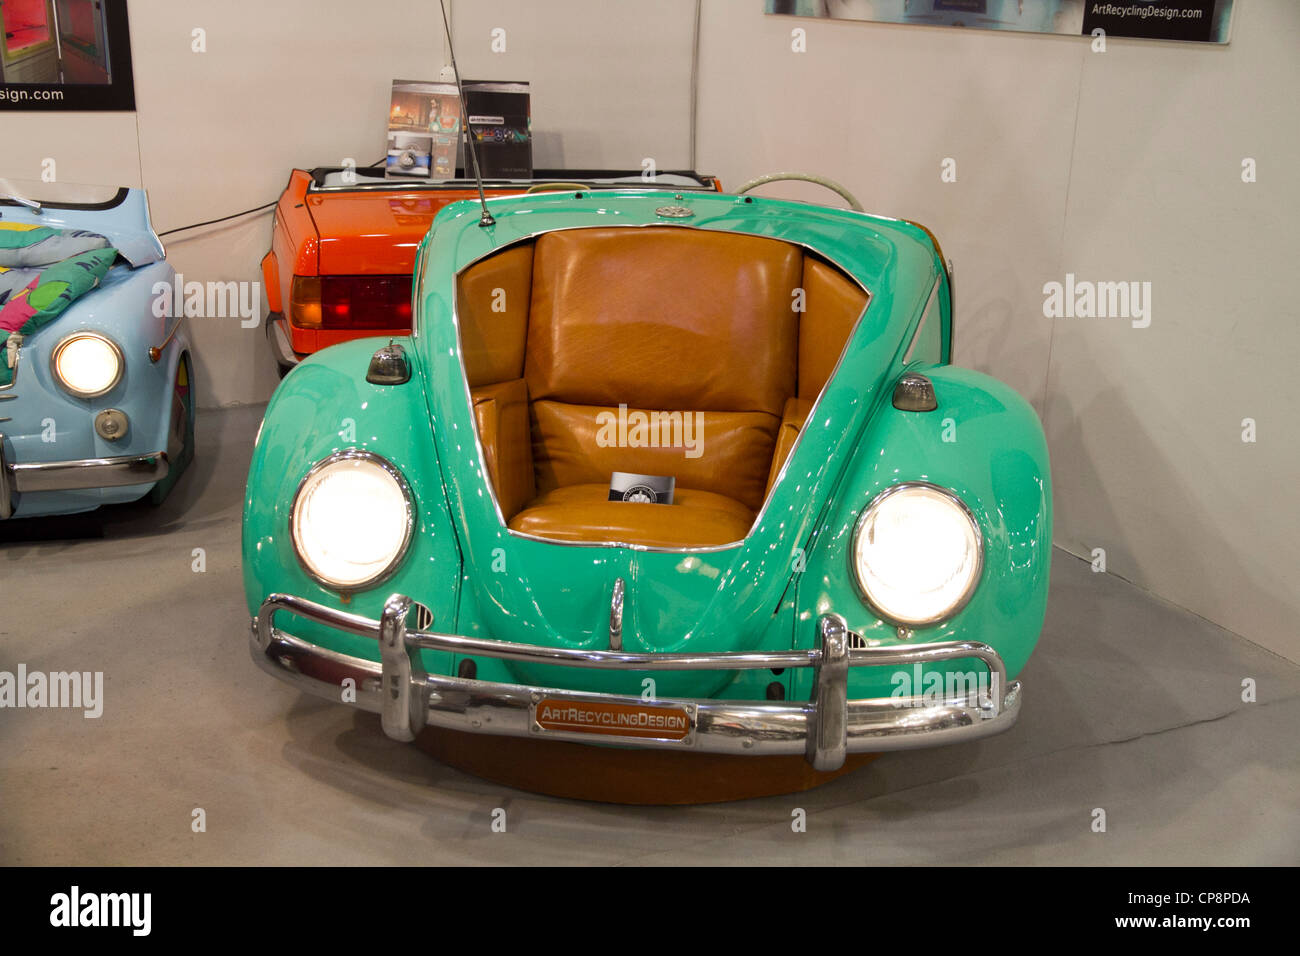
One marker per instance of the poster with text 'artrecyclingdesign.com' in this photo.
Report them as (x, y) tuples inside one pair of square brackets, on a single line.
[(70, 55), (1204, 21)]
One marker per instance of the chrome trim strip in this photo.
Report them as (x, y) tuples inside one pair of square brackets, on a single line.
[(89, 473), (631, 181), (478, 445), (823, 729), (925, 314)]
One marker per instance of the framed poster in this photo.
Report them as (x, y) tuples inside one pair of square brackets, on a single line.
[(500, 120), (65, 55), (1205, 21), (424, 125)]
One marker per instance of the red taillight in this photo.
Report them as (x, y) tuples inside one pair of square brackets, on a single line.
[(365, 302)]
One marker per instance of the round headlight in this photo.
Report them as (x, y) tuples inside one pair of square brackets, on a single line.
[(917, 554), (87, 364), (352, 520)]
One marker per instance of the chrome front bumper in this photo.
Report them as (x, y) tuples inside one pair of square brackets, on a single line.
[(76, 475), (824, 728)]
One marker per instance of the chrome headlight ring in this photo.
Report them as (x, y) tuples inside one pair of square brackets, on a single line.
[(973, 569), (298, 514), (85, 337)]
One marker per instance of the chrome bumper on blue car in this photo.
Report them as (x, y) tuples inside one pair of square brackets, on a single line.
[(824, 728), (75, 475)]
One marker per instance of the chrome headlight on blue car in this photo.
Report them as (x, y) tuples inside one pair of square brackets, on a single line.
[(917, 554), (352, 520), (87, 364)]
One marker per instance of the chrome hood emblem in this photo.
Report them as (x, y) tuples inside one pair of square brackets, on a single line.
[(675, 212)]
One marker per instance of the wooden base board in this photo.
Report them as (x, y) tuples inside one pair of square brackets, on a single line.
[(616, 775)]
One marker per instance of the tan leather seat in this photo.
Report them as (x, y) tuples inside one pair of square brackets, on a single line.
[(652, 350), (501, 417), (796, 413), (734, 448), (696, 519)]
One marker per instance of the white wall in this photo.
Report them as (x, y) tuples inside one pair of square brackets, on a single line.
[(1123, 165), (1116, 166), (878, 108), (1145, 425)]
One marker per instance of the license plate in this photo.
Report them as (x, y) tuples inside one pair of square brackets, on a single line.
[(570, 716)]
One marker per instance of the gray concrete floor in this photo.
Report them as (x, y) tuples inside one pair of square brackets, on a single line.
[(1132, 705)]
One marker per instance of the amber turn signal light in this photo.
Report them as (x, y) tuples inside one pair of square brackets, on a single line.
[(304, 302)]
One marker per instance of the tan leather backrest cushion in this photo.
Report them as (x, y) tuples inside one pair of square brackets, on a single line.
[(734, 449), (796, 413), (664, 318), (833, 304), (501, 416), (492, 302)]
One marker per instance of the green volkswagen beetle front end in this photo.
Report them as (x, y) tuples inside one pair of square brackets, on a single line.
[(856, 557)]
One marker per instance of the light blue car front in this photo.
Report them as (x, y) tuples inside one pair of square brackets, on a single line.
[(61, 453)]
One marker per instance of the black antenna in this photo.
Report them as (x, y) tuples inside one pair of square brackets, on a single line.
[(486, 219)]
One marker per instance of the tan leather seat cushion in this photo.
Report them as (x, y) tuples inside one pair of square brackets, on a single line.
[(578, 444), (834, 302), (665, 318), (796, 413), (696, 519), (501, 416), (557, 333)]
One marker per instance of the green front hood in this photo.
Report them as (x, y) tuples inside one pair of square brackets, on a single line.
[(735, 598)]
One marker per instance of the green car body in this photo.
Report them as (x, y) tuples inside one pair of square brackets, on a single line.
[(768, 593)]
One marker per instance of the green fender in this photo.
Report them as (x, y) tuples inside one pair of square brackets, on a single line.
[(985, 443), (326, 405)]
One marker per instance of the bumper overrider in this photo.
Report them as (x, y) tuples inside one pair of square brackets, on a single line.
[(18, 477), (824, 728)]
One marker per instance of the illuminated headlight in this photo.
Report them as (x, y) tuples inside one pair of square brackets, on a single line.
[(917, 554), (352, 520), (87, 364)]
